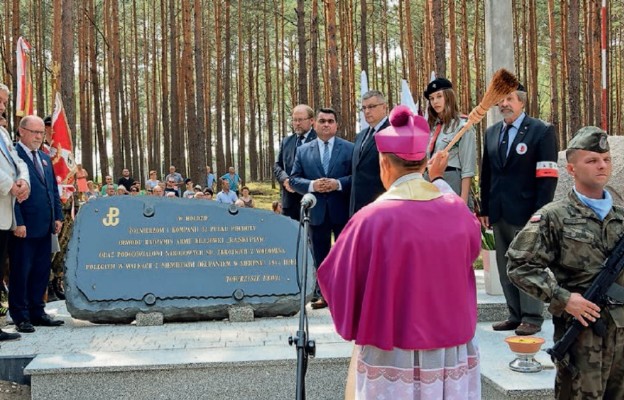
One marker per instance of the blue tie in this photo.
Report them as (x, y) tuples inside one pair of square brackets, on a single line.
[(326, 157), (503, 145), (37, 166)]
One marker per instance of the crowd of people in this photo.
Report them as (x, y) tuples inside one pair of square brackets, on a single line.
[(174, 185)]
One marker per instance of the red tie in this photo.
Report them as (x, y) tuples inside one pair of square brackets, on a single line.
[(434, 138)]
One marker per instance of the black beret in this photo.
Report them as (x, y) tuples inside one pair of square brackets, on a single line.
[(521, 88), (437, 85)]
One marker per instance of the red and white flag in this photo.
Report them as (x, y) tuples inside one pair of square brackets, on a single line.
[(61, 151), (24, 96)]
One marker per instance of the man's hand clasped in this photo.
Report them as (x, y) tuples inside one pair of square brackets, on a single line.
[(325, 185), (20, 190)]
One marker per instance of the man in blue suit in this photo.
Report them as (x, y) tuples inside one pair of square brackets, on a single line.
[(323, 166), (303, 132), (36, 219)]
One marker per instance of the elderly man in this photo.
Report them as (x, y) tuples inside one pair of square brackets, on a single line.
[(557, 256), (14, 186), (176, 176), (402, 287), (303, 132), (108, 183), (518, 176), (233, 179), (36, 219)]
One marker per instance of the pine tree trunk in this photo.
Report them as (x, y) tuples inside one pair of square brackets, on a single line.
[(332, 50), (437, 12), (301, 44), (227, 91), (221, 169), (242, 151), (554, 58), (574, 64)]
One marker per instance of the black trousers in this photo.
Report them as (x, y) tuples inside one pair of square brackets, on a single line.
[(521, 306), (321, 236)]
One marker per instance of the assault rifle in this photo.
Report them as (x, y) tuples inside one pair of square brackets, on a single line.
[(603, 291)]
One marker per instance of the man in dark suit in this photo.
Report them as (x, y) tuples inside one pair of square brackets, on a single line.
[(36, 219), (366, 184), (303, 132), (518, 176), (323, 166)]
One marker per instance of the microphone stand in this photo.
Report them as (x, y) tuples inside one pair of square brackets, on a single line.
[(305, 347)]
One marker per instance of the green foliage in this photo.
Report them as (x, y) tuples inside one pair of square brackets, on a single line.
[(263, 193), (487, 239)]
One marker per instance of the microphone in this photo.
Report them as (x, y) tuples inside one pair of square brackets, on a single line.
[(308, 201)]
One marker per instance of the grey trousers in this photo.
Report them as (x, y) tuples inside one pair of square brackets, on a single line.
[(522, 307)]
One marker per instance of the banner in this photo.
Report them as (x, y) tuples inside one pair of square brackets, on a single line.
[(406, 97), (24, 95), (363, 90), (61, 151)]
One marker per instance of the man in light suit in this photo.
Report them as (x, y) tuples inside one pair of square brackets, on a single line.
[(323, 167), (518, 176), (36, 219), (303, 132), (366, 185), (14, 185)]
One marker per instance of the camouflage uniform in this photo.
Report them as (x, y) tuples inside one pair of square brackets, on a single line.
[(560, 251)]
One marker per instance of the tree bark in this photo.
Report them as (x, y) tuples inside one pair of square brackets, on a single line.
[(437, 13), (302, 62), (574, 72)]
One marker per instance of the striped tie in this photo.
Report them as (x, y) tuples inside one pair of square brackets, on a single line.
[(326, 157)]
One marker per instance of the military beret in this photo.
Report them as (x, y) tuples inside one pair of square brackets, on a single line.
[(590, 138), (521, 88), (47, 121), (437, 85)]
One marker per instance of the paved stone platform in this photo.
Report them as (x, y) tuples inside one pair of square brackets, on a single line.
[(221, 359)]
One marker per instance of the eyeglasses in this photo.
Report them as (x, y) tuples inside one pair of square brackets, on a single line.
[(371, 107), (35, 132)]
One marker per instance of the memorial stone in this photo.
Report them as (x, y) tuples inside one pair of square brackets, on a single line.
[(186, 259)]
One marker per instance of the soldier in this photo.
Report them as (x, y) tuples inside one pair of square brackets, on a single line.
[(557, 256)]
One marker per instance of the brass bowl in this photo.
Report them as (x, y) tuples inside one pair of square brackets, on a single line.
[(524, 344)]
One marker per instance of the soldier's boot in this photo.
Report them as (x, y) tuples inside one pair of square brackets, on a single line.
[(57, 285), (51, 294)]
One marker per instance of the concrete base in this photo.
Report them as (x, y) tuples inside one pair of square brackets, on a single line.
[(183, 374), (226, 360), (490, 273)]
